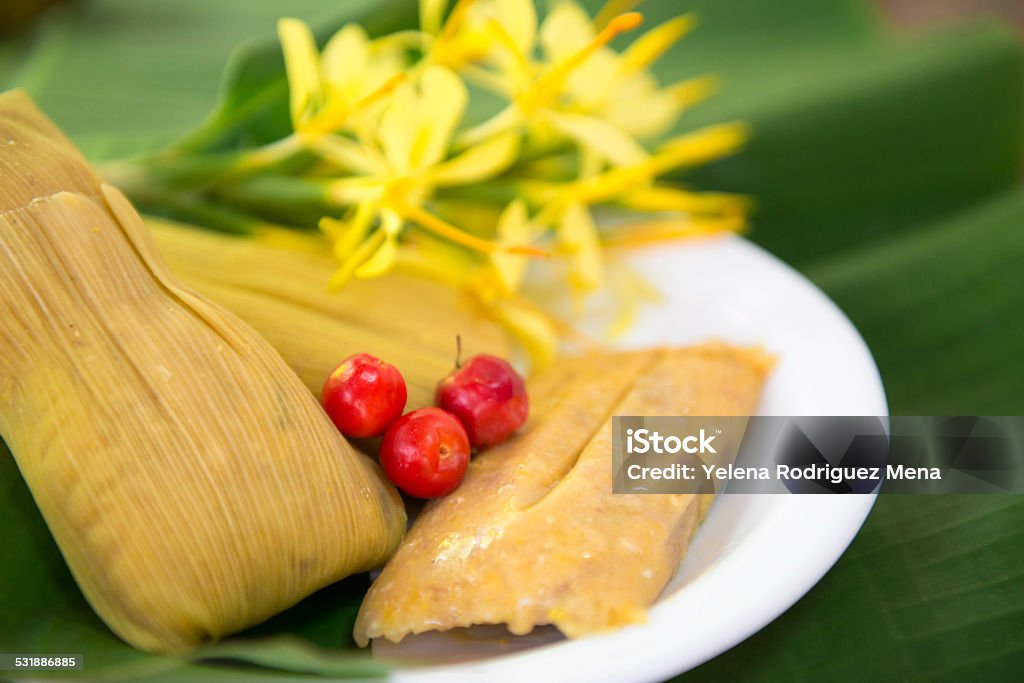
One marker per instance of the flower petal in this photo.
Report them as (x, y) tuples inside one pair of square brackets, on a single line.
[(657, 199), (384, 257), (613, 143), (398, 127), (432, 15), (512, 62), (351, 263), (566, 29), (519, 17), (630, 291), (649, 47), (344, 59), (700, 146), (655, 230), (301, 67), (513, 229), (693, 90), (348, 235), (530, 326), (577, 233), (443, 98), (479, 162), (382, 260), (508, 118), (391, 222), (352, 190), (349, 155), (595, 81), (641, 108)]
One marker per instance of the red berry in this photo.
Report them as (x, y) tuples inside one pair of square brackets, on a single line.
[(363, 396), (489, 398), (425, 453)]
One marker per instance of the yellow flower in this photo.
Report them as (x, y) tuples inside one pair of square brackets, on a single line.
[(531, 327), (577, 235), (393, 149), (581, 90), (327, 91), (632, 184), (459, 42), (538, 90), (564, 205), (414, 136), (618, 88), (513, 229)]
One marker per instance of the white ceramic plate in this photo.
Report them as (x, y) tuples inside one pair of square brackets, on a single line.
[(755, 555)]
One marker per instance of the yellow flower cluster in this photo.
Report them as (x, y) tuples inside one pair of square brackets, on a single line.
[(401, 127)]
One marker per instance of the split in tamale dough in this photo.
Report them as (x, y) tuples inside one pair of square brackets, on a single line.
[(190, 479), (534, 535)]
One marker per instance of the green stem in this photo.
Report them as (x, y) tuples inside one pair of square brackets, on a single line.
[(195, 209), (289, 199), (172, 168)]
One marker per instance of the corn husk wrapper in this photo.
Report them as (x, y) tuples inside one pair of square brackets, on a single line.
[(281, 291), (191, 481)]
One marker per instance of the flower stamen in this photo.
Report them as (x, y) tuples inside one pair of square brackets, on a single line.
[(501, 34), (456, 19), (551, 83), (442, 228), (385, 89), (612, 9), (649, 47)]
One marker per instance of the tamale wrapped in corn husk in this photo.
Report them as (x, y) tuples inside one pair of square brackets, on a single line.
[(534, 535), (281, 291), (191, 481)]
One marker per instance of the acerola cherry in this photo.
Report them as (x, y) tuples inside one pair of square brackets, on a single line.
[(363, 396), (425, 453), (489, 398)]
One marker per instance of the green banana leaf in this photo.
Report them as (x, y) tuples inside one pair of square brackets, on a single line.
[(886, 168), (933, 586)]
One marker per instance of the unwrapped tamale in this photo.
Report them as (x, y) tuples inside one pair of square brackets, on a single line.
[(534, 535), (191, 481)]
